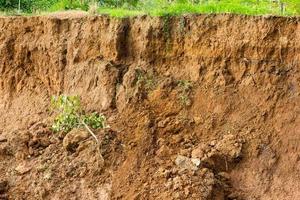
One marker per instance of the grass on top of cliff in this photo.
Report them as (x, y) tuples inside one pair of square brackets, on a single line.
[(236, 7), (127, 8), (120, 12)]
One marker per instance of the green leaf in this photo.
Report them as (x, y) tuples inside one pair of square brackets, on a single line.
[(69, 117)]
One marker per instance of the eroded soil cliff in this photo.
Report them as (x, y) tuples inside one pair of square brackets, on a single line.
[(200, 107)]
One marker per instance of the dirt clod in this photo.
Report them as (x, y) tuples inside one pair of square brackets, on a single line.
[(73, 138)]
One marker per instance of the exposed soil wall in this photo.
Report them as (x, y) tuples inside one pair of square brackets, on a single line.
[(200, 107)]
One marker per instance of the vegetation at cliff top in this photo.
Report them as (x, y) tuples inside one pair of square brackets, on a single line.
[(124, 8)]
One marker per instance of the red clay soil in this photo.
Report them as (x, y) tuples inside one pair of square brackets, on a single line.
[(200, 107)]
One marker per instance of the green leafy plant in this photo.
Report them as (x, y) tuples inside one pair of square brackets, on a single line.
[(146, 80), (167, 31), (70, 116), (185, 88)]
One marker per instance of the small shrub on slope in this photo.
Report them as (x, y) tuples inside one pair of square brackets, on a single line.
[(70, 115)]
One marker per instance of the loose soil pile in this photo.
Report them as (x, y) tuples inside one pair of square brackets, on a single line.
[(200, 107)]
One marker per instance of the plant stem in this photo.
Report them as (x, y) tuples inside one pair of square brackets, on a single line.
[(90, 131), (88, 128)]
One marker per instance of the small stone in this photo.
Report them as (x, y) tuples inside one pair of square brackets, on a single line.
[(185, 163), (22, 168), (196, 161)]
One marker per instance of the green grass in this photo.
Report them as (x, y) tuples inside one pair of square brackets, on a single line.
[(66, 5), (14, 13), (120, 12), (173, 9), (164, 8)]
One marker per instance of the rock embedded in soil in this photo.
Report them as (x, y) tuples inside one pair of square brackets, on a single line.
[(22, 168), (184, 162), (73, 138)]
